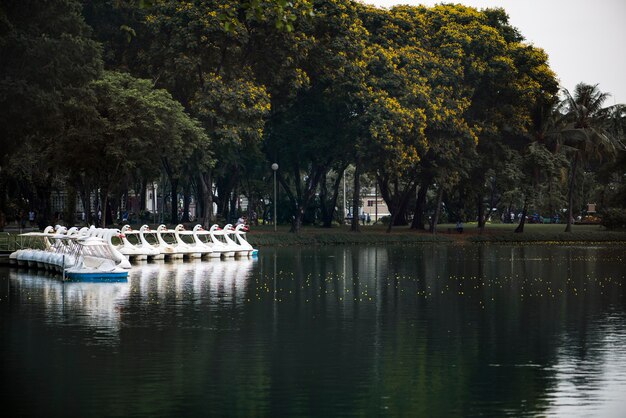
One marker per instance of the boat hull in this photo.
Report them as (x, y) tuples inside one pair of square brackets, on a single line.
[(91, 276)]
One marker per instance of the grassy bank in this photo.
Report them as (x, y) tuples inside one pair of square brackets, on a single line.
[(264, 235), (376, 234), (339, 235)]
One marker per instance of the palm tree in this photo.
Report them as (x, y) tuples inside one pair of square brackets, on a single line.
[(586, 134)]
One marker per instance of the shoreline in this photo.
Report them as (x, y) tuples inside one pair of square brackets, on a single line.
[(264, 235)]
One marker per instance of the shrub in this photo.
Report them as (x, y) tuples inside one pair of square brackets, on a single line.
[(614, 218)]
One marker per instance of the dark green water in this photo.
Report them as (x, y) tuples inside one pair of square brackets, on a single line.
[(428, 331)]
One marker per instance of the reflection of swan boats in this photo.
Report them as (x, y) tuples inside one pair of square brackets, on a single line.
[(92, 303)]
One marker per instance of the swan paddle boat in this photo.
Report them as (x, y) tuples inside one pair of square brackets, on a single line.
[(240, 238), (151, 250), (218, 243), (202, 247), (188, 250), (238, 250), (94, 260), (168, 250)]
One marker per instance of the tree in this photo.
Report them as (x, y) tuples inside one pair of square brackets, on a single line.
[(126, 125), (314, 134), (222, 61), (47, 62), (586, 136)]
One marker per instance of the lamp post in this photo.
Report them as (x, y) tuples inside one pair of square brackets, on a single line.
[(274, 168)]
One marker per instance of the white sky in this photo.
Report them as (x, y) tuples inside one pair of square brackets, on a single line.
[(585, 39)]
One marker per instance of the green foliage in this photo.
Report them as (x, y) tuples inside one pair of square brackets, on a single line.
[(448, 98), (124, 127), (614, 218), (47, 60)]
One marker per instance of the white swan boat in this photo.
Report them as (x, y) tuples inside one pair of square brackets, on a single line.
[(240, 238), (52, 248), (127, 248), (205, 238), (151, 250), (218, 245), (94, 260), (108, 235), (74, 256), (165, 248), (188, 250), (238, 249), (202, 247)]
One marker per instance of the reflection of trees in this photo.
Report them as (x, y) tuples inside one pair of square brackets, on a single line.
[(461, 330)]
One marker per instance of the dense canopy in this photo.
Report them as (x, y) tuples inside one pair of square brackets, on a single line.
[(446, 111)]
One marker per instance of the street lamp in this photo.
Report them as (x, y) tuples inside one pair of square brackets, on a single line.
[(274, 168)]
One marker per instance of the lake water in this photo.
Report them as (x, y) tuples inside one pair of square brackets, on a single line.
[(431, 330)]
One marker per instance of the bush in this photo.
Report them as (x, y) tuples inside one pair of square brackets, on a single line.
[(614, 218)]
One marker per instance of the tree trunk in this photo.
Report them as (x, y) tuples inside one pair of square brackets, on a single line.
[(433, 225), (233, 205), (481, 214), (296, 219), (207, 195), (103, 207), (70, 206), (43, 196), (174, 200), (420, 203), (570, 195), (142, 195), (328, 204), (401, 199), (522, 221), (325, 210), (186, 201), (85, 198), (356, 199)]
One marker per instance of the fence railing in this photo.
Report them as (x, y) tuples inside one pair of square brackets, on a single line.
[(10, 242)]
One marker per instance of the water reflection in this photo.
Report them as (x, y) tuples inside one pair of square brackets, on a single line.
[(422, 331), (106, 305)]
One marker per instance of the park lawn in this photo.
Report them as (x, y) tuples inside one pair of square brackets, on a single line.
[(264, 235)]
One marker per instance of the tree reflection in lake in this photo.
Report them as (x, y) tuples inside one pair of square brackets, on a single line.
[(427, 330)]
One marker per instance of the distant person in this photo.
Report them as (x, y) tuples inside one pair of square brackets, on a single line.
[(459, 227), (368, 219), (362, 216), (31, 218), (241, 221)]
